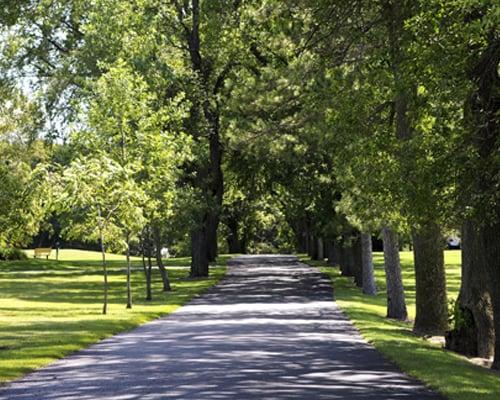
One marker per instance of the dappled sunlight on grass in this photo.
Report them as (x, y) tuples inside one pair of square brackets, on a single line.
[(50, 308), (445, 371)]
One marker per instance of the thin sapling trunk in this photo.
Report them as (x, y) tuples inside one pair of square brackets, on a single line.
[(149, 294), (129, 269), (105, 273), (159, 261)]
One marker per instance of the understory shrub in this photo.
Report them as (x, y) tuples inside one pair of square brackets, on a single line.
[(11, 253)]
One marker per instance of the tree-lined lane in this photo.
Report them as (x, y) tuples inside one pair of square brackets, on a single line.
[(269, 330)]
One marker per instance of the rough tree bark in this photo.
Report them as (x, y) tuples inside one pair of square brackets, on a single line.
[(396, 303), (473, 333), (369, 286), (211, 230), (430, 281), (216, 179), (199, 253)]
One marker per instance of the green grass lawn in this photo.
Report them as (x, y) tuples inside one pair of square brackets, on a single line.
[(50, 308), (447, 372)]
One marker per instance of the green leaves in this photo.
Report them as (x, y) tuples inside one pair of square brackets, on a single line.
[(25, 195), (99, 197)]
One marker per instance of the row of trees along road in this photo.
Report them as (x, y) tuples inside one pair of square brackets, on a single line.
[(324, 122)]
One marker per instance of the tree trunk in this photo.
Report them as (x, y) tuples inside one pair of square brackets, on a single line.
[(204, 238), (314, 248), (369, 286), (211, 232), (159, 261), (491, 237), (333, 258), (481, 179), (396, 303), (326, 249), (149, 273), (149, 291), (308, 242), (146, 253), (199, 253), (129, 270), (302, 238), (233, 241), (473, 333), (233, 245), (244, 241), (430, 281), (341, 258), (144, 266), (431, 316), (216, 179), (346, 260), (310, 245), (105, 273), (357, 262), (321, 253)]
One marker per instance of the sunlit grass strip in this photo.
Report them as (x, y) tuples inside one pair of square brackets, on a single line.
[(441, 370), (49, 309)]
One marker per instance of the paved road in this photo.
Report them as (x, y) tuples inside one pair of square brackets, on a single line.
[(269, 330)]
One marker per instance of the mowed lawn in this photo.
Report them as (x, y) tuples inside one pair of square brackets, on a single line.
[(447, 372), (50, 308)]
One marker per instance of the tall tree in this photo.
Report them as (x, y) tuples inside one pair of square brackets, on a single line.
[(457, 47)]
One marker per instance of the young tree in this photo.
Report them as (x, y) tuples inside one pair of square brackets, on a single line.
[(100, 196), (124, 120)]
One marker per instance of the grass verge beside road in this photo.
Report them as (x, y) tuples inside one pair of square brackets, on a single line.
[(446, 372), (50, 308)]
